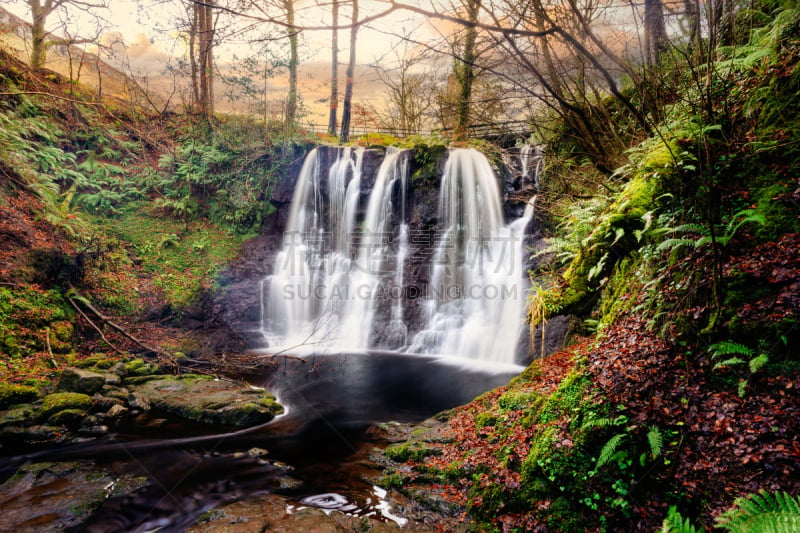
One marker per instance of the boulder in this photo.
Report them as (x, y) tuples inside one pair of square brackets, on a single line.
[(60, 401), (82, 381), (210, 401)]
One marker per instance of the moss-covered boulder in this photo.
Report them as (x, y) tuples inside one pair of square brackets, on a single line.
[(206, 400), (61, 401), (69, 418), (18, 416), (13, 394), (82, 381), (138, 367)]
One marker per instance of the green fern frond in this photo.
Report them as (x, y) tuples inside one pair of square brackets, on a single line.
[(733, 361), (610, 449), (671, 244), (746, 216), (763, 512), (600, 422), (675, 523), (729, 348), (741, 389), (757, 362), (690, 227), (656, 441)]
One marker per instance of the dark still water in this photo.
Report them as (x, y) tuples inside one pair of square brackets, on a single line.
[(314, 455)]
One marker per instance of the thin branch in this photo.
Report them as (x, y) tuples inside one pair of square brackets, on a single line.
[(40, 93), (96, 328)]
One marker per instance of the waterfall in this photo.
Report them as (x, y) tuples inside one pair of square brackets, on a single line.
[(477, 290), (325, 284), (532, 159), (339, 279), (372, 274)]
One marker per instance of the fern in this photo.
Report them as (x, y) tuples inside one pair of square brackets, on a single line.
[(656, 441), (610, 449), (757, 362), (604, 422), (675, 523), (729, 362), (763, 512), (754, 362)]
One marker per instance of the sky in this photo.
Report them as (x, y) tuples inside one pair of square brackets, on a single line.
[(148, 31)]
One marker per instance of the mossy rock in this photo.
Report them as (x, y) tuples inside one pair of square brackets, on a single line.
[(209, 401), (12, 394), (70, 418), (20, 415), (61, 401), (95, 362), (138, 367), (80, 380), (410, 451)]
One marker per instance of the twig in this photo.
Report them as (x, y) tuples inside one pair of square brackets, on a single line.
[(49, 347), (97, 329), (40, 93), (117, 327)]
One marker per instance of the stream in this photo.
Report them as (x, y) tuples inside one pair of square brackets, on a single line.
[(156, 474)]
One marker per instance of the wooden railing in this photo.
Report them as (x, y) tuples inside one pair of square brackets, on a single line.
[(509, 129)]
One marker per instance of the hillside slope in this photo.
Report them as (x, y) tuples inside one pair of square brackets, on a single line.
[(683, 393)]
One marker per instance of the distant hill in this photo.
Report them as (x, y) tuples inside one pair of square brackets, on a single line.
[(78, 64)]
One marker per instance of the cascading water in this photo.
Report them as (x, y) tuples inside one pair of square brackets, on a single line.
[(324, 288), (476, 295), (532, 159), (339, 277)]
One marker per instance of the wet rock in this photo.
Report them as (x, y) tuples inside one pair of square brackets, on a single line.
[(112, 379), (93, 431), (101, 404), (80, 380), (13, 394), (69, 418), (117, 411), (210, 401), (19, 416), (138, 401), (32, 434), (554, 335), (61, 401)]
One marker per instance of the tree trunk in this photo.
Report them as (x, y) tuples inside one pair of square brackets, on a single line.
[(334, 69), (39, 15), (194, 25), (291, 99), (348, 88), (655, 31), (205, 61), (465, 71)]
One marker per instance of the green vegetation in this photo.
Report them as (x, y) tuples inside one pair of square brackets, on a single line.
[(682, 265)]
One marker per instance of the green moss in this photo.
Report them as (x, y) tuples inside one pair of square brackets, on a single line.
[(70, 418), (29, 316), (60, 401), (626, 281), (614, 237), (182, 259), (518, 400), (12, 394), (270, 402), (392, 481), (427, 157), (781, 215), (96, 361), (138, 367), (410, 451), (485, 419)]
